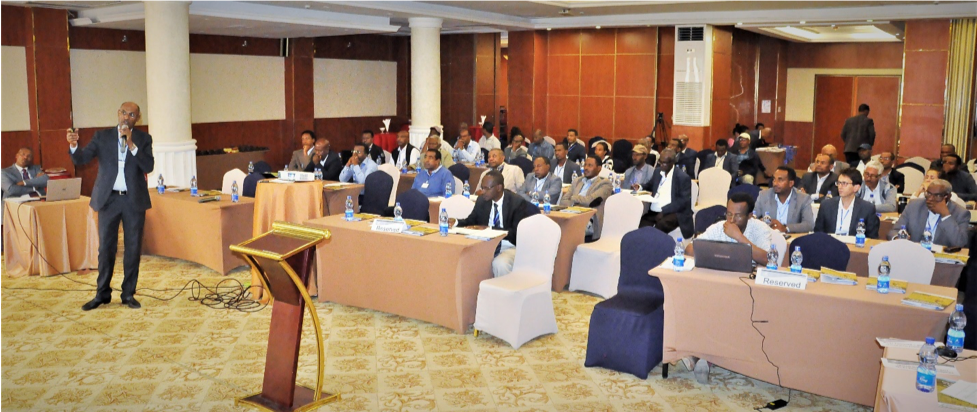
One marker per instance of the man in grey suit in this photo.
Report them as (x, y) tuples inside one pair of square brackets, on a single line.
[(24, 177), (588, 188), (947, 221), (302, 157), (562, 166), (858, 130), (790, 210), (541, 181), (641, 171), (120, 195), (882, 195)]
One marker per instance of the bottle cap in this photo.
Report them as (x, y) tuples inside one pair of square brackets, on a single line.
[(885, 258), (679, 240), (960, 307), (930, 340)]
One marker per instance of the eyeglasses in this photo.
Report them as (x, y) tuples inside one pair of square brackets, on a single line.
[(843, 184), (936, 195), (872, 176), (131, 115)]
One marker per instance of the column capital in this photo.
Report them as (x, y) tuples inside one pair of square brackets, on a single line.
[(425, 22)]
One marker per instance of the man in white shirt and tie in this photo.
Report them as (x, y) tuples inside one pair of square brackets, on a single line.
[(500, 209), (24, 177)]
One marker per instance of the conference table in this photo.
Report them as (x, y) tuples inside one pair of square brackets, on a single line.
[(897, 387), (430, 278), (48, 238), (822, 338), (178, 226), (888, 220)]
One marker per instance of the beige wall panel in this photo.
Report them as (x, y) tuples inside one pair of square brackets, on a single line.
[(355, 88), (227, 88), (15, 110), (101, 80)]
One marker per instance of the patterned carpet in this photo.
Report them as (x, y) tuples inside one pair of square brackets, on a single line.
[(182, 356)]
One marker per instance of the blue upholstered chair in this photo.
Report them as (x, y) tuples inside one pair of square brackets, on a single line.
[(376, 193), (752, 190), (523, 163), (706, 217), (626, 330), (461, 172), (820, 249), (415, 205)]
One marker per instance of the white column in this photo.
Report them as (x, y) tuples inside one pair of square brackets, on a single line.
[(168, 90), (425, 77)]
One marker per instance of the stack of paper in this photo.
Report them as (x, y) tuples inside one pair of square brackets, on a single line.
[(812, 275), (577, 209), (960, 395), (928, 300), (849, 240), (837, 277), (483, 234), (950, 258), (895, 286)]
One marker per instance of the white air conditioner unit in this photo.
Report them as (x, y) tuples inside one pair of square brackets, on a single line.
[(692, 105)]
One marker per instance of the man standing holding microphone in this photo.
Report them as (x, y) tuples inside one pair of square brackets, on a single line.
[(120, 195)]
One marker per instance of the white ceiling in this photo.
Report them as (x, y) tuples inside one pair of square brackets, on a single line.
[(277, 19)]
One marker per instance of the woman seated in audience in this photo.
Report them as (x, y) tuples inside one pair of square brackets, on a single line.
[(931, 175), (603, 152)]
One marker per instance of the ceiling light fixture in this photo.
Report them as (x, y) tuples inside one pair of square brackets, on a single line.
[(245, 44), (803, 22), (869, 20), (549, 28), (739, 23), (598, 27)]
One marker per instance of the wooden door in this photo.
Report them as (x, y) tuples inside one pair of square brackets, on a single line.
[(833, 99), (881, 94)]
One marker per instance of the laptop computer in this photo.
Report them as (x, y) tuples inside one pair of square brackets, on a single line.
[(63, 189), (724, 256)]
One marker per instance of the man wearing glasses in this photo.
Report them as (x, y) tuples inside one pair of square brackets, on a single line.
[(947, 221), (740, 228), (890, 175), (840, 215), (882, 195), (120, 195)]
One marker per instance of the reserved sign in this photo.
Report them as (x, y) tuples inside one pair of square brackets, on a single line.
[(781, 279), (389, 226)]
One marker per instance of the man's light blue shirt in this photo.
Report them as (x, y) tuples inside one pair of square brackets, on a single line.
[(467, 155), (358, 173), (432, 184)]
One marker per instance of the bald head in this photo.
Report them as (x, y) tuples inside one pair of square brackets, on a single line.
[(831, 151)]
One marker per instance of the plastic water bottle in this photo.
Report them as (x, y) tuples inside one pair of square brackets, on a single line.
[(796, 259), (926, 372), (882, 283), (250, 167), (318, 174), (468, 190), (160, 188), (193, 186), (398, 213), (772, 257), (903, 234), (234, 192), (616, 184), (575, 175), (447, 190), (828, 195), (349, 209), (766, 218), (927, 241), (535, 199), (954, 337), (443, 222), (678, 261), (286, 168), (547, 207), (860, 233)]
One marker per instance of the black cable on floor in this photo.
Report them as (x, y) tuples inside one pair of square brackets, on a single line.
[(779, 403)]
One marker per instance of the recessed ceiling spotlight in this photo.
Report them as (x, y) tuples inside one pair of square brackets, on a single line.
[(308, 6), (739, 23), (869, 20), (549, 28), (803, 22), (598, 27)]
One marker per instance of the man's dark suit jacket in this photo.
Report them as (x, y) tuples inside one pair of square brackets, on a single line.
[(105, 147), (827, 219), (687, 159), (729, 164), (681, 197), (331, 169), (751, 165), (514, 210), (963, 185), (577, 151), (897, 179), (858, 129), (568, 169), (810, 184), (376, 153)]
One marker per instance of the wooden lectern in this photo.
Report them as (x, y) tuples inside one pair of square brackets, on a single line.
[(283, 258)]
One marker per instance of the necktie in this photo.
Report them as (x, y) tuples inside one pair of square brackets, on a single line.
[(495, 213), (26, 176)]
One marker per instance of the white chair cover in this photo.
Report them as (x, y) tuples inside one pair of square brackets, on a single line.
[(605, 173), (713, 189), (518, 307), (914, 179), (458, 188), (387, 157), (596, 266), (922, 161), (910, 261), (395, 174), (972, 166), (695, 193), (698, 163), (233, 175), (778, 240), (458, 207), (550, 140)]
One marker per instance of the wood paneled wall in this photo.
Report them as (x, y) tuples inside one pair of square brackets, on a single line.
[(927, 55), (457, 81), (527, 81)]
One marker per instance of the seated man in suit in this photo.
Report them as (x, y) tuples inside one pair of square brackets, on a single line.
[(840, 214), (405, 155), (499, 209), (945, 220), (358, 167), (24, 177), (820, 183), (641, 171), (517, 148), (720, 158), (790, 210), (864, 156), (585, 190), (434, 143), (962, 182), (562, 166), (890, 175), (302, 157), (575, 149), (945, 150), (653, 154), (325, 160), (686, 155), (831, 151), (541, 182), (672, 189), (514, 178), (749, 164), (540, 147), (465, 150), (883, 196), (373, 151), (433, 179), (740, 228)]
